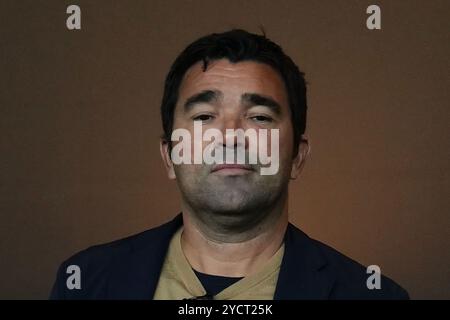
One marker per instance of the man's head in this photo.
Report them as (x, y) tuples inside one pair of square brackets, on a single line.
[(235, 80)]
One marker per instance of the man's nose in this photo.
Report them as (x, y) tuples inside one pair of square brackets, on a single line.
[(229, 131)]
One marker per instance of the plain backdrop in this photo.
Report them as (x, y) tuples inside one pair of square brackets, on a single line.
[(80, 128)]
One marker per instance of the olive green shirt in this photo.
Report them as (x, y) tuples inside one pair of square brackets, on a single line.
[(178, 281)]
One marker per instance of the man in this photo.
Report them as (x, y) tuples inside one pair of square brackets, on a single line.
[(232, 239)]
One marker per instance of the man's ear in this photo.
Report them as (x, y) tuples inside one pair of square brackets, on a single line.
[(300, 159), (165, 155)]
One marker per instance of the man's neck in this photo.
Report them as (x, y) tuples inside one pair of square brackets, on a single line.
[(233, 259)]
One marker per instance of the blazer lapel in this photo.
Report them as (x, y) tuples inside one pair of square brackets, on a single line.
[(303, 273)]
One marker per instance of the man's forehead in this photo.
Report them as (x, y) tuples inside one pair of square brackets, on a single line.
[(244, 75)]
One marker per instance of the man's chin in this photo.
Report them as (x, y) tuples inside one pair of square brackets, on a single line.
[(232, 172)]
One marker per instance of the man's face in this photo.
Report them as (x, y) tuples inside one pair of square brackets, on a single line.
[(229, 95)]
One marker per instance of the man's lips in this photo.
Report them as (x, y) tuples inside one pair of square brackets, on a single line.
[(232, 168)]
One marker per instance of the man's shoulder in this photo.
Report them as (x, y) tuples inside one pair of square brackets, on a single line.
[(350, 277), (95, 262), (105, 252)]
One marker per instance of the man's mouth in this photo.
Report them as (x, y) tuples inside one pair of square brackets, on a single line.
[(231, 169)]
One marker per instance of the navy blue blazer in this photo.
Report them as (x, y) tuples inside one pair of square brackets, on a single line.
[(129, 269)]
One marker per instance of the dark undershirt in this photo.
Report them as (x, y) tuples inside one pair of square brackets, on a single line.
[(215, 284)]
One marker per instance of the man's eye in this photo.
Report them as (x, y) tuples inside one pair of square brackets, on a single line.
[(203, 117), (261, 119)]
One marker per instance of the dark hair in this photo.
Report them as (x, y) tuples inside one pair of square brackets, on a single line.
[(236, 45)]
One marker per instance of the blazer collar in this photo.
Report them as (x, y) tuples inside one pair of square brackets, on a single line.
[(136, 274)]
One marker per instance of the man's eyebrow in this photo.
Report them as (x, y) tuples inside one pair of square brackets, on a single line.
[(255, 99), (205, 96)]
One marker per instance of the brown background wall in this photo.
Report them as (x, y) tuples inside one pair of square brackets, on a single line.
[(80, 125)]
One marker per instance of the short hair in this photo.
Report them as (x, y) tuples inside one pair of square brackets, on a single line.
[(237, 45)]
